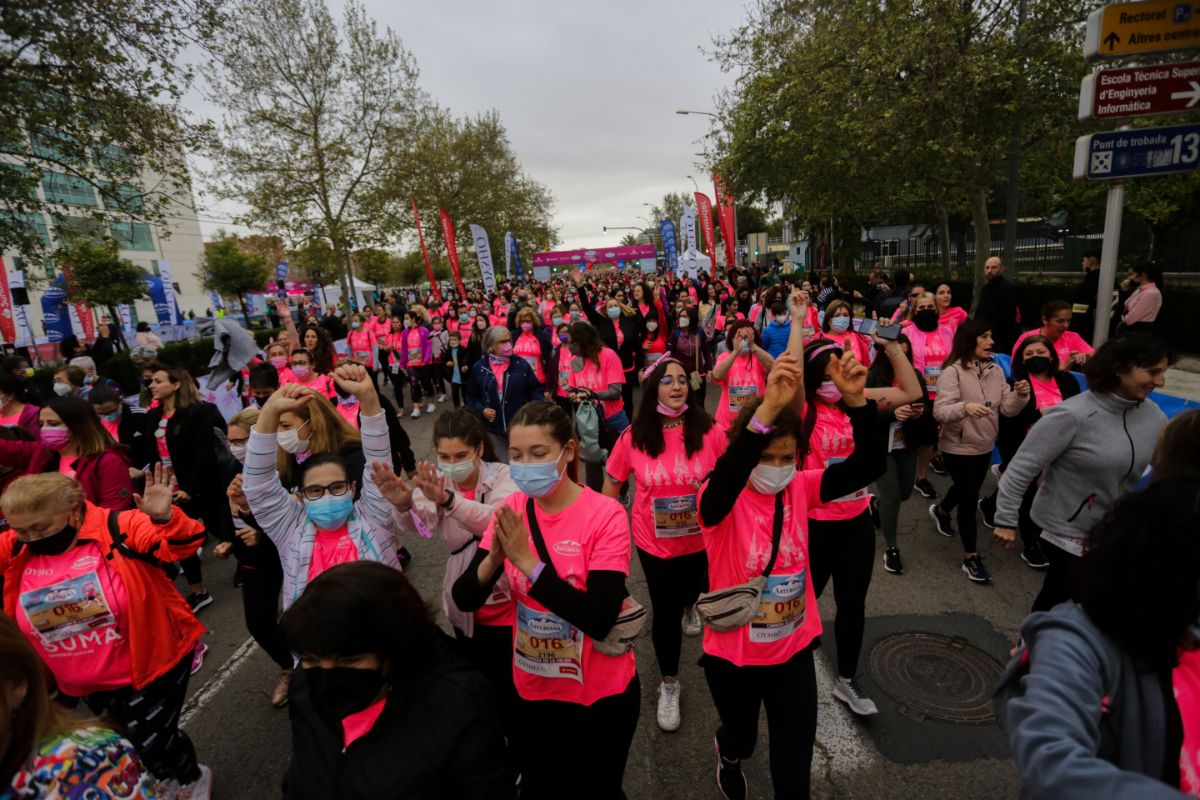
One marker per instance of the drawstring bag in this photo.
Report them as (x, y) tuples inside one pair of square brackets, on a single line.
[(630, 621), (587, 428), (735, 606)]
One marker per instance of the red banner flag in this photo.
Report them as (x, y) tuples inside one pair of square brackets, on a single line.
[(727, 218), (704, 212), (425, 253), (451, 248), (8, 326), (84, 313)]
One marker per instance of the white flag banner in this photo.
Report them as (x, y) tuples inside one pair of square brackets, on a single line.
[(76, 323), (483, 252), (126, 320), (687, 228), (508, 248), (164, 271), (16, 280)]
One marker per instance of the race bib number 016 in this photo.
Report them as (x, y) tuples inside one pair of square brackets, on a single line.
[(675, 516), (780, 609), (547, 645)]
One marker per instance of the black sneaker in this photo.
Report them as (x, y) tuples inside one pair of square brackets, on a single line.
[(987, 510), (942, 520), (730, 780), (975, 570), (925, 488), (874, 508), (199, 600), (404, 557), (937, 466), (892, 562), (1034, 557)]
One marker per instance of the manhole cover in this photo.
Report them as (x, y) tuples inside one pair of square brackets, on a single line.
[(941, 677)]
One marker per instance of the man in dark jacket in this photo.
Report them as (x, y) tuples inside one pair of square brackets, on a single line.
[(1083, 296), (998, 305)]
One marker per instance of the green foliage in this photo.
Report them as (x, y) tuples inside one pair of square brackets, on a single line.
[(231, 270), (375, 266), (671, 207), (99, 276), (317, 262), (92, 91)]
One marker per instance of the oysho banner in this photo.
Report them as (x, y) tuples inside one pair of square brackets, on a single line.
[(168, 287), (280, 279), (8, 324), (687, 230), (483, 253), (55, 319), (670, 248)]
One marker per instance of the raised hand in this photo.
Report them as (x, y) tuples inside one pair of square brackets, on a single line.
[(784, 382), (289, 397), (235, 493), (850, 377), (431, 482), (798, 304), (155, 501), (354, 378), (394, 488)]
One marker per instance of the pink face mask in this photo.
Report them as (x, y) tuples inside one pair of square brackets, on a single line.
[(55, 438), (527, 326), (279, 362), (828, 392)]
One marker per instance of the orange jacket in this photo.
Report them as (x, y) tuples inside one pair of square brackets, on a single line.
[(162, 627)]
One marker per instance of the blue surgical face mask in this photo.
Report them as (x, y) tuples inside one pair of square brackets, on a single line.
[(840, 324), (613, 312), (537, 479), (330, 512)]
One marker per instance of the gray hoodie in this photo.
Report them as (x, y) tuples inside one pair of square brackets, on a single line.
[(1091, 449), (1083, 721)]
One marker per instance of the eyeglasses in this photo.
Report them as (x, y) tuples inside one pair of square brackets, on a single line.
[(316, 491), (239, 442)]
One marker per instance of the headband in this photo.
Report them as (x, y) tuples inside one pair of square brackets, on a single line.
[(811, 356), (664, 360)]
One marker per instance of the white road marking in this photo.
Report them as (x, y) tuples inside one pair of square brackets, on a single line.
[(841, 744), (224, 672)]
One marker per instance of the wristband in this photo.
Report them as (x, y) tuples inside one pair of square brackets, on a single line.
[(536, 571), (758, 427), (449, 501)]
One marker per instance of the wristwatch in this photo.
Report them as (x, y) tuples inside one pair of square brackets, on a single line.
[(449, 501)]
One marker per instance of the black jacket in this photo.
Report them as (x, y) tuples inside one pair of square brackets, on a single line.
[(436, 738), (193, 443), (1083, 305), (998, 305), (631, 328)]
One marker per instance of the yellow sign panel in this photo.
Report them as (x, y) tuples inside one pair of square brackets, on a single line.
[(1124, 29)]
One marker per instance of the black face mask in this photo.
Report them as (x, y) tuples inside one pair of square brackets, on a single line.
[(54, 544), (926, 320), (1037, 365), (338, 692), (146, 382)]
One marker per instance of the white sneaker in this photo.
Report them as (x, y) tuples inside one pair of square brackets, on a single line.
[(441, 398), (199, 789), (668, 705), (429, 409), (849, 692), (416, 412), (692, 626)]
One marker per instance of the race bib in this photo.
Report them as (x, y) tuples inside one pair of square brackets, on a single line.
[(808, 331), (740, 395), (861, 494), (564, 379), (382, 340), (652, 358), (68, 608), (414, 354), (675, 516), (531, 361), (896, 439), (780, 609), (547, 646), (932, 374), (362, 355)]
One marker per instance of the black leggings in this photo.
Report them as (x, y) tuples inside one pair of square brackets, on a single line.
[(421, 380), (262, 581), (967, 474), (551, 738), (1030, 531), (1056, 586), (845, 551), (674, 584), (149, 719), (788, 691)]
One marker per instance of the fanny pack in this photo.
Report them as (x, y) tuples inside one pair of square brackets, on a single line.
[(630, 621), (735, 606)]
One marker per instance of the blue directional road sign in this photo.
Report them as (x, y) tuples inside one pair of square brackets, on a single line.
[(1139, 152)]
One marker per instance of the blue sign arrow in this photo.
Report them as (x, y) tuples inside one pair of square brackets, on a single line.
[(1138, 152)]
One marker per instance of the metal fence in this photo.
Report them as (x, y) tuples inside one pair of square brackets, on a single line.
[(924, 254)]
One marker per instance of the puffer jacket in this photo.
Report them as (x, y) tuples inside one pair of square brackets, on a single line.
[(982, 383)]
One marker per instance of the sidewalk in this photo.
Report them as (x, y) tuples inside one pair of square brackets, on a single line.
[(1183, 379)]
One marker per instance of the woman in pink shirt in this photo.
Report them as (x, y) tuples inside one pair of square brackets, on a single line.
[(1071, 349), (742, 372), (565, 550), (754, 518), (929, 341), (671, 447), (597, 375), (1143, 306), (304, 373), (838, 327), (948, 314), (277, 356)]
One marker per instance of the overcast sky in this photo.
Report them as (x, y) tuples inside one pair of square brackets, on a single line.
[(587, 92)]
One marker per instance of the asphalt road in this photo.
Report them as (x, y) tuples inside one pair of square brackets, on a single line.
[(894, 755)]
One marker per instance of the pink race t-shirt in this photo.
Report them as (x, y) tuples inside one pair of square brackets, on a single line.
[(66, 465), (111, 427), (1067, 343), (331, 548), (552, 659), (665, 522), (952, 317), (832, 440), (529, 348), (598, 380), (929, 351), (498, 369), (410, 340), (349, 412), (12, 419), (564, 370), (1045, 393), (739, 548), (745, 381), (74, 611), (360, 342), (1186, 681)]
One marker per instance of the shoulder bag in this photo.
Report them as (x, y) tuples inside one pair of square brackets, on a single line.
[(735, 606)]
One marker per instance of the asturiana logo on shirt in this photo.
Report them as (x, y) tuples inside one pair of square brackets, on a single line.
[(86, 562), (568, 547)]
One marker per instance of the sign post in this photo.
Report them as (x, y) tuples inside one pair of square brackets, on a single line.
[(1137, 153)]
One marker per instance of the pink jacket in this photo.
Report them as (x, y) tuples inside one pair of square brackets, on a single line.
[(982, 383)]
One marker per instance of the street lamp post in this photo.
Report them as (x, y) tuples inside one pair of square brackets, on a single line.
[(693, 180), (705, 113)]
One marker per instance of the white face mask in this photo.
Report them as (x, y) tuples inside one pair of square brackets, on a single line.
[(239, 451), (772, 480), (290, 441), (62, 389)]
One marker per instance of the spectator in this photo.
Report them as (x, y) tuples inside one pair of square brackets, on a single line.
[(998, 305), (1141, 308), (1084, 295)]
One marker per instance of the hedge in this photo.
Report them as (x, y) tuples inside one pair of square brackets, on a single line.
[(193, 355)]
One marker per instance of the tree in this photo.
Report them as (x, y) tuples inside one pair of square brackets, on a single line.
[(316, 118), (98, 276), (672, 207), (317, 262), (92, 91), (231, 269), (376, 267)]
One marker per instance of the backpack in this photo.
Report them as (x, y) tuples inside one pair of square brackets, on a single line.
[(587, 428)]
